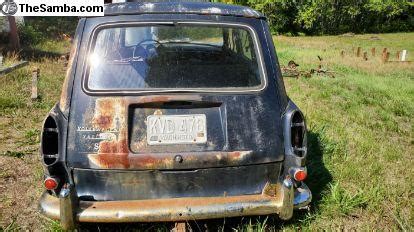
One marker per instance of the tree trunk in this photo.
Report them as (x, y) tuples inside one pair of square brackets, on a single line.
[(13, 34)]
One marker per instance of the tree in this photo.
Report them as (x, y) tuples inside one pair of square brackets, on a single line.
[(14, 40)]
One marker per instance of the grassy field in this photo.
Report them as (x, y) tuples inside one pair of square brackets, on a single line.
[(360, 138)]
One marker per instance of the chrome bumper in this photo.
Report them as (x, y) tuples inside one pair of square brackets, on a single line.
[(282, 203), (302, 197)]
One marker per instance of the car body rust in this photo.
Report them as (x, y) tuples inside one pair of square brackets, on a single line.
[(113, 152)]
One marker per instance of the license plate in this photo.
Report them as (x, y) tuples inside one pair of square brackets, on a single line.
[(176, 129)]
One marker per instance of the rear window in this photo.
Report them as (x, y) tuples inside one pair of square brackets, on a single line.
[(173, 56)]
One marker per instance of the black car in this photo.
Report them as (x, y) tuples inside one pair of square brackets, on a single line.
[(173, 111)]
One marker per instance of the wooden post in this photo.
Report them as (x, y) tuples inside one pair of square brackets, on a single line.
[(358, 51), (404, 55), (373, 51), (342, 53), (35, 80), (397, 55), (365, 56), (385, 57)]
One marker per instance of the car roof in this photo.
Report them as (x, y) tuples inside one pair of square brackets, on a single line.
[(179, 7)]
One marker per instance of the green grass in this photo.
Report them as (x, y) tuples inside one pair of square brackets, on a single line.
[(363, 122), (54, 46), (20, 123), (360, 139)]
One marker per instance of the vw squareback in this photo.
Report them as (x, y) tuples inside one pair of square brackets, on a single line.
[(173, 111)]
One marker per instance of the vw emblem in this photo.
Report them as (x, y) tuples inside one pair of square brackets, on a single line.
[(8, 7)]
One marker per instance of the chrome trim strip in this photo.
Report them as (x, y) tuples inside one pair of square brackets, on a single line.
[(242, 90)]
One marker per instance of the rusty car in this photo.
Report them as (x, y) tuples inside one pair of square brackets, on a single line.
[(173, 111)]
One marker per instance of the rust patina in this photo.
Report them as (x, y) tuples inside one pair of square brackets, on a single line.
[(113, 152)]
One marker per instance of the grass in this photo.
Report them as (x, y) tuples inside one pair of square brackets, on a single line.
[(20, 122), (360, 139), (61, 46), (363, 121)]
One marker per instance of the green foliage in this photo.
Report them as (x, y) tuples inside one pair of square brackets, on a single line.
[(31, 136), (29, 35), (53, 27), (280, 14), (342, 201), (314, 17), (334, 16), (15, 154), (39, 29)]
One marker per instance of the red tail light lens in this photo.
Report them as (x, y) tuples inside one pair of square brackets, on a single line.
[(300, 175), (51, 183)]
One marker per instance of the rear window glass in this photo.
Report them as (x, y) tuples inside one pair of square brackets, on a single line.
[(175, 56)]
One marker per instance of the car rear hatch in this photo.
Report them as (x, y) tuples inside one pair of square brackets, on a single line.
[(173, 110)]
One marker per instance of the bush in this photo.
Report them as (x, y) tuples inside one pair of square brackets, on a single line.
[(36, 30), (334, 16), (280, 14), (29, 36), (53, 27), (359, 16)]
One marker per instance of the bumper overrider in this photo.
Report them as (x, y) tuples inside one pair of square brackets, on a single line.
[(279, 199)]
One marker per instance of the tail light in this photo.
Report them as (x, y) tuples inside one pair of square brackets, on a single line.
[(298, 134), (50, 141), (51, 183), (299, 174), (295, 145)]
